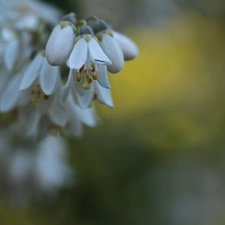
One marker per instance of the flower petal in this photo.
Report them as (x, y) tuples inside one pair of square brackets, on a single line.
[(114, 53), (32, 72), (75, 126), (11, 54), (103, 76), (60, 44), (85, 100), (49, 78), (32, 123), (58, 115), (69, 79), (78, 116), (96, 53), (129, 48), (103, 95), (24, 98), (87, 116), (68, 86), (10, 96), (79, 55)]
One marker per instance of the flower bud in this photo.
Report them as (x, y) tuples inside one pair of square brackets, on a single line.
[(112, 49), (109, 45), (71, 17), (60, 43), (128, 47)]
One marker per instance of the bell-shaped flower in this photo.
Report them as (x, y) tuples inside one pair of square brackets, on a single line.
[(129, 48), (109, 45), (40, 68), (78, 117), (84, 97), (39, 112), (113, 51), (60, 43), (88, 61)]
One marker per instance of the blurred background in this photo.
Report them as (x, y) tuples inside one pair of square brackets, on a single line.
[(158, 156)]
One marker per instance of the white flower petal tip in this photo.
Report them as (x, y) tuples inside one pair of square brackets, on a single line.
[(32, 72), (129, 48), (97, 55), (49, 78), (114, 68), (79, 54), (103, 95), (60, 44), (114, 52), (103, 77)]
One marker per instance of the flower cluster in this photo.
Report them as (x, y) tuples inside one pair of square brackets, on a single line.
[(49, 78), (35, 89)]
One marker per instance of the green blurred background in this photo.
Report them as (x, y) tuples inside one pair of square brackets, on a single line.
[(158, 156)]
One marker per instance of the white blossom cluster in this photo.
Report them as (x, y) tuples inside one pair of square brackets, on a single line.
[(48, 80), (51, 71), (30, 167)]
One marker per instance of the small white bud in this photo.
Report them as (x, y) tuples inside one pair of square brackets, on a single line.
[(71, 17), (113, 51), (129, 48), (60, 43)]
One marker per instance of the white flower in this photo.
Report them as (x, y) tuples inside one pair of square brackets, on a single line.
[(78, 117), (112, 49), (42, 112), (51, 170), (27, 22), (109, 45), (87, 59), (129, 48), (48, 75), (31, 91), (84, 97), (60, 43)]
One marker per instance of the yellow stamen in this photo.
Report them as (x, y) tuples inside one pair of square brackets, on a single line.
[(33, 102), (92, 68), (89, 80), (95, 76), (81, 69), (78, 77), (86, 85), (87, 74)]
